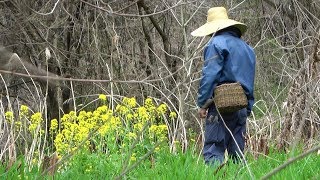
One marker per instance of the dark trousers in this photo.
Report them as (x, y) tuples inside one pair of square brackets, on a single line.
[(218, 138)]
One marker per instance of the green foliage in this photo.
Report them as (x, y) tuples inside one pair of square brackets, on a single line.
[(165, 165), (18, 170)]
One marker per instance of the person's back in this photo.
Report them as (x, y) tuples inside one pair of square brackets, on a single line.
[(238, 56), (227, 59), (238, 60)]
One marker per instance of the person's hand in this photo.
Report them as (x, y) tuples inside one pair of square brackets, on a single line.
[(202, 113)]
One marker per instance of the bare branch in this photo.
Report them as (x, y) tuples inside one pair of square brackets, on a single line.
[(110, 13), (46, 14)]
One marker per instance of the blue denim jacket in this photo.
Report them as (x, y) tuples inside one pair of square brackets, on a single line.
[(227, 59)]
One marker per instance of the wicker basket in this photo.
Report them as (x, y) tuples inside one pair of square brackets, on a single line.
[(230, 97)]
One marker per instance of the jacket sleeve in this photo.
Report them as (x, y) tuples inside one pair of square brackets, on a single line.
[(211, 72), (250, 93), (250, 96)]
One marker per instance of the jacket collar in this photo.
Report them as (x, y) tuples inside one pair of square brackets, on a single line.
[(231, 33)]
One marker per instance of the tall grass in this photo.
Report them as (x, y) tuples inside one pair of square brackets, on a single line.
[(165, 165)]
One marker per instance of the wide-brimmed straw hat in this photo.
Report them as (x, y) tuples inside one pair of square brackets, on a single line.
[(218, 19)]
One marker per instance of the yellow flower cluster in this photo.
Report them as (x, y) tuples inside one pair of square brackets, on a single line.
[(53, 126), (132, 135), (148, 102), (138, 127), (35, 121), (9, 116), (24, 111), (130, 102), (162, 109), (114, 129), (75, 128), (173, 115), (23, 116), (158, 131), (148, 116), (102, 97), (133, 157)]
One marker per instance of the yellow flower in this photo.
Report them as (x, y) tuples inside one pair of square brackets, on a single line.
[(132, 135), (66, 134), (35, 121), (122, 109), (17, 124), (153, 128), (143, 114), (60, 145), (89, 114), (163, 128), (129, 117), (9, 116), (148, 102), (162, 108), (157, 149), (115, 123), (65, 118), (53, 125), (138, 126), (34, 161), (24, 110), (102, 97), (159, 131), (73, 116), (32, 127), (133, 157), (80, 133), (130, 102), (173, 115), (105, 118), (82, 116), (96, 114), (102, 109), (36, 118), (104, 130)]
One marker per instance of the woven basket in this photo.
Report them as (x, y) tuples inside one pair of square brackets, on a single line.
[(230, 97)]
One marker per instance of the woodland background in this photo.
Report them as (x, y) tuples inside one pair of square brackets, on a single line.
[(143, 48)]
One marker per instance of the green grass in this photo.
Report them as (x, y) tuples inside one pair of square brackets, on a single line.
[(165, 165)]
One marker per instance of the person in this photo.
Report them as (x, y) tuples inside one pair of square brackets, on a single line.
[(227, 59)]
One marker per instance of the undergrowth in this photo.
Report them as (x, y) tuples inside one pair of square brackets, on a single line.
[(165, 165), (128, 141)]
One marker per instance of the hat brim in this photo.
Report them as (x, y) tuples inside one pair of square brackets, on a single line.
[(214, 26)]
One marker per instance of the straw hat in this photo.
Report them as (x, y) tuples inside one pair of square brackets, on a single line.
[(217, 19)]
